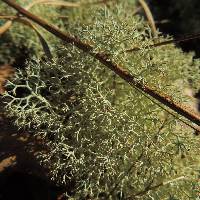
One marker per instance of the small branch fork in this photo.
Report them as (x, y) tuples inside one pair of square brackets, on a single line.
[(116, 68)]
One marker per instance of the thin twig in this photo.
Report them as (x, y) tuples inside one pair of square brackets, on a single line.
[(64, 3), (118, 182), (137, 10), (8, 16), (164, 21), (104, 59), (5, 27), (149, 17), (149, 188), (172, 41), (56, 3)]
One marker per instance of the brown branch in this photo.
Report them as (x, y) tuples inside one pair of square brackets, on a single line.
[(171, 113), (104, 59)]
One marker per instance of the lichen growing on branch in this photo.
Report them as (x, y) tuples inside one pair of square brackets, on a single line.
[(104, 138)]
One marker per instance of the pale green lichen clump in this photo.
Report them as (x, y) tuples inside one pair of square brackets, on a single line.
[(104, 138)]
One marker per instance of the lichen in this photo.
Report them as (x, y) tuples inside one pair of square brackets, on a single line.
[(105, 138)]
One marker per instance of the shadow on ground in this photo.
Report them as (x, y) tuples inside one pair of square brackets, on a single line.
[(21, 176)]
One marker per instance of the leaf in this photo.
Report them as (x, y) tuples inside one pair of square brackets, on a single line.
[(43, 42), (44, 45)]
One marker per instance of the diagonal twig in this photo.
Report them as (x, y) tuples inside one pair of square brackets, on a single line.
[(118, 182), (105, 60), (56, 3), (149, 17), (176, 41), (64, 3), (154, 187), (5, 27), (8, 16)]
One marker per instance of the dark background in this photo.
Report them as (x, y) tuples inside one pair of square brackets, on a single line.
[(179, 18), (183, 17)]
